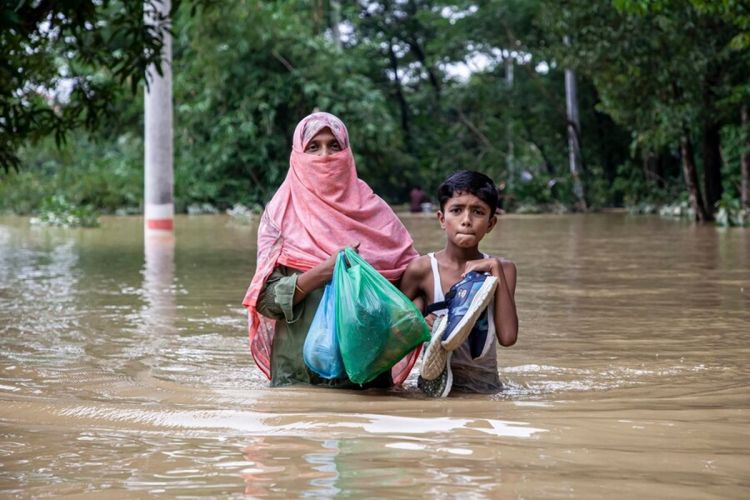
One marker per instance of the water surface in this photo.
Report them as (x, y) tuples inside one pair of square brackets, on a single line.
[(124, 370)]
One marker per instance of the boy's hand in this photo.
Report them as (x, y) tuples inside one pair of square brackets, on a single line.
[(490, 265), (430, 319)]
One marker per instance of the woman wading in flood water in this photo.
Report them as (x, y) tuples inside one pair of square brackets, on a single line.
[(321, 207)]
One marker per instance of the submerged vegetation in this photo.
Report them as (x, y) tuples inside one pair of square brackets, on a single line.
[(57, 211), (425, 87)]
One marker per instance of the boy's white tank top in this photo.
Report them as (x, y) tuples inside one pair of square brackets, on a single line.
[(472, 375)]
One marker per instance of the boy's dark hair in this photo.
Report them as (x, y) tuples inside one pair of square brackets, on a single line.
[(469, 182)]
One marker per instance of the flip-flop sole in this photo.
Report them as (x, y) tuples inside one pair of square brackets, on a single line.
[(435, 355)]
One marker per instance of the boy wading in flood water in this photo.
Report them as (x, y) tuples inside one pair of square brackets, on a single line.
[(466, 294)]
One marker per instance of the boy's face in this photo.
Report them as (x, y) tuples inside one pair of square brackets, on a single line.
[(466, 219)]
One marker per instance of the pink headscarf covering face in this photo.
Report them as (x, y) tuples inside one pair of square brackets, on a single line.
[(321, 207)]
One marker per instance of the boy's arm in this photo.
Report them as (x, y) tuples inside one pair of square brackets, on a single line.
[(412, 282), (506, 317)]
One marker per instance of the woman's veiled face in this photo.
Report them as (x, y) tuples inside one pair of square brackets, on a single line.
[(324, 143)]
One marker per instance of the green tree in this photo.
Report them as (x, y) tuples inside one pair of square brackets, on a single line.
[(426, 87), (64, 63), (241, 90), (664, 71)]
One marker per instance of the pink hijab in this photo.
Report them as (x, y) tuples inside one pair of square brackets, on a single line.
[(321, 207)]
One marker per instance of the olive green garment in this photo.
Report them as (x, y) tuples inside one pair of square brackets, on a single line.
[(276, 301)]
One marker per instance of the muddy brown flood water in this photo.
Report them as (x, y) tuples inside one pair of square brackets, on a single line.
[(129, 375)]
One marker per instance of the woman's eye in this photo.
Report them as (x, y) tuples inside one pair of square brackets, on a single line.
[(335, 146)]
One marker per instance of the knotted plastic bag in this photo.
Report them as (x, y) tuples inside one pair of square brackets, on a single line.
[(321, 350), (376, 324)]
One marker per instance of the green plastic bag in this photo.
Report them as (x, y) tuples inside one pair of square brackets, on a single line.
[(376, 324)]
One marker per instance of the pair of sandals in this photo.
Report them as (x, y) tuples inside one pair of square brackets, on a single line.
[(436, 377)]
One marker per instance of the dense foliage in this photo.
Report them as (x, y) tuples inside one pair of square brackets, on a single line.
[(64, 63), (426, 87)]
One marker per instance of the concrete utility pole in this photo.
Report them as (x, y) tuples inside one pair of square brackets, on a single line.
[(158, 178), (574, 128)]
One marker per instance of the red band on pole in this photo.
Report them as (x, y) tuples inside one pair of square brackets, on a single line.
[(163, 224)]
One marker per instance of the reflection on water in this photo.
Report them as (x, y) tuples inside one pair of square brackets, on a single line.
[(125, 368), (160, 310)]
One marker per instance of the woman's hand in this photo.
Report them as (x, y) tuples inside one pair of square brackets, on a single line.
[(329, 264), (318, 276)]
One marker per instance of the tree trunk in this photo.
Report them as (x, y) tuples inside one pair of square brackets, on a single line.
[(335, 21), (691, 180), (712, 165), (549, 167), (318, 14), (649, 168), (574, 145), (418, 51), (404, 107), (510, 161), (745, 158)]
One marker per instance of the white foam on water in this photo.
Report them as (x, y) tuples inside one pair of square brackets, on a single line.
[(456, 451), (269, 423), (406, 446)]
